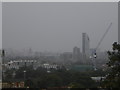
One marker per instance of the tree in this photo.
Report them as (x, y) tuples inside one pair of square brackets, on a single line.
[(8, 75), (76, 85), (113, 77), (29, 83)]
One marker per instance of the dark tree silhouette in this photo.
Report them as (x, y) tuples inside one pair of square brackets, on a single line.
[(113, 77)]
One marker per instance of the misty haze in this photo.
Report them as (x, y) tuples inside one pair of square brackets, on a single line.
[(58, 27), (57, 44)]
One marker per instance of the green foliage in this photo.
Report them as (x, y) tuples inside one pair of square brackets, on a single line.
[(8, 75), (29, 83), (56, 78), (76, 85), (113, 77)]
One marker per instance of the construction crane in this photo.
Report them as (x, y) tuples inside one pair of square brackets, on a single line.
[(94, 54)]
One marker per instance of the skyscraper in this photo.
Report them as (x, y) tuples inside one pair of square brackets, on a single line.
[(85, 44)]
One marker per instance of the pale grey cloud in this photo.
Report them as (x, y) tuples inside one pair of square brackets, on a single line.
[(58, 26)]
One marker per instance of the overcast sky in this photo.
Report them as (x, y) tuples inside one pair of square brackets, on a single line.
[(0, 25), (58, 27)]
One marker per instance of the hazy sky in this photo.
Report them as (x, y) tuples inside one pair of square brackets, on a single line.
[(0, 25), (58, 26)]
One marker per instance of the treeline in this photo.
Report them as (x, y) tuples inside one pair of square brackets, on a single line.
[(41, 78)]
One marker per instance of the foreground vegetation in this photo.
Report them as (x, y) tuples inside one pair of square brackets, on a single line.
[(113, 76), (40, 78)]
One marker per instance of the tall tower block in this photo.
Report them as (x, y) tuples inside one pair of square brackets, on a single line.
[(85, 44)]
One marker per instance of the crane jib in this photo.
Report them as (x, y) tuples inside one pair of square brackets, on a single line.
[(104, 36), (95, 55)]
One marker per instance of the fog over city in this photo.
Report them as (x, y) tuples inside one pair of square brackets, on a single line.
[(58, 27), (58, 45)]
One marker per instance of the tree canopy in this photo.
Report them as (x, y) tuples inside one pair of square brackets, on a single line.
[(113, 76)]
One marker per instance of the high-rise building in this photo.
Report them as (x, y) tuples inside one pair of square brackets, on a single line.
[(76, 54), (66, 56), (85, 44)]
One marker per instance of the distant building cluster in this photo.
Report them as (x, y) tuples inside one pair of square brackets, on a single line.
[(50, 66), (24, 63), (16, 64), (28, 57)]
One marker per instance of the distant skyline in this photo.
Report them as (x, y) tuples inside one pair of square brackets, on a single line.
[(58, 27)]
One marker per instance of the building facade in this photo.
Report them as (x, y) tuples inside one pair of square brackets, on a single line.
[(76, 54), (85, 44)]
